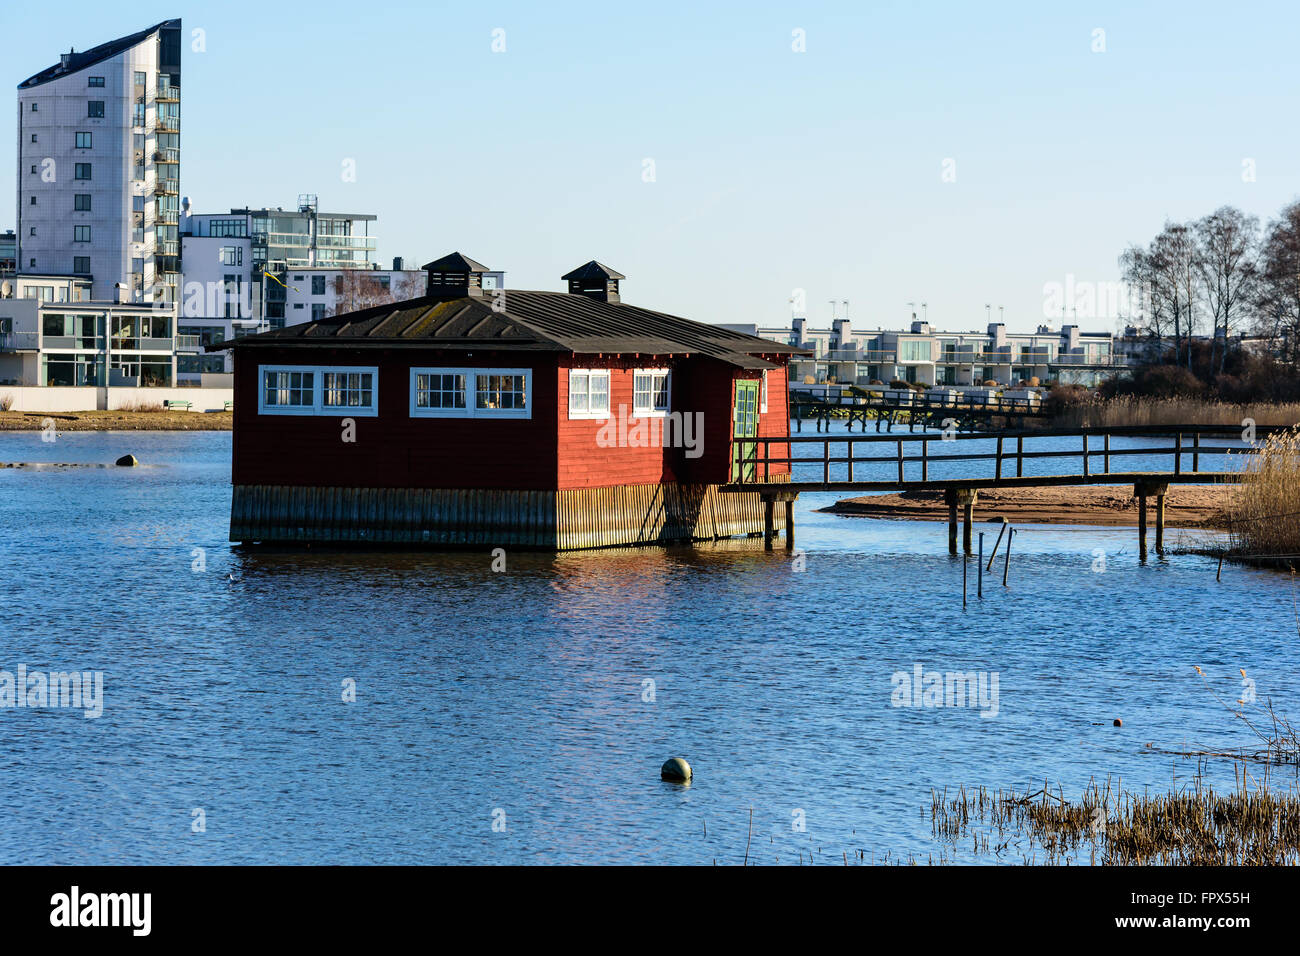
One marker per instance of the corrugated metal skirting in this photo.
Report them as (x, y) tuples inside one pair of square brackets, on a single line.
[(550, 520)]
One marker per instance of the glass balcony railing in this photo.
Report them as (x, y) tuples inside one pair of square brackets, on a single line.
[(19, 341), (1105, 361), (168, 155), (858, 355), (347, 242)]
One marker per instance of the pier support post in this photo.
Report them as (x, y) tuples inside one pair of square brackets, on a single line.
[(1144, 490), (769, 530), (950, 496), (967, 499), (1140, 491), (1160, 522), (789, 524)]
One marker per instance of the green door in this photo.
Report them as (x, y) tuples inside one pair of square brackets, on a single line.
[(745, 425)]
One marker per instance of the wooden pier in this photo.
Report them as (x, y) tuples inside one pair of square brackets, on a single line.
[(920, 412), (1183, 446)]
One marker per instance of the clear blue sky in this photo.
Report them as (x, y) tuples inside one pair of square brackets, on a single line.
[(775, 170)]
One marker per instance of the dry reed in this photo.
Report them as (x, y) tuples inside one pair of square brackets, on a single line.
[(1194, 826), (1264, 517), (1128, 410)]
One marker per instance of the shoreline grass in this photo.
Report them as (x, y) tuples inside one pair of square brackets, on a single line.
[(1131, 410)]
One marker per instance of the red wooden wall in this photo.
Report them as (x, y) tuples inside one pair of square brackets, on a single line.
[(546, 452), (394, 450)]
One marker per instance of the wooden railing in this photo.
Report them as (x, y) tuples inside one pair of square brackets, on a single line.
[(754, 461), (902, 398)]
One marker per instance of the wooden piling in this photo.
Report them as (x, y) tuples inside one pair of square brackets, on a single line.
[(1160, 523), (951, 496), (769, 531), (1142, 524), (967, 499), (789, 525)]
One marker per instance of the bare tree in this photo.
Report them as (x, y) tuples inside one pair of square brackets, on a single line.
[(358, 289), (1278, 298), (1174, 281), (1227, 244), (1149, 314)]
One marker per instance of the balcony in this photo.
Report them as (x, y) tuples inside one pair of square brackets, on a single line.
[(858, 355), (167, 187), (168, 93), (169, 155), (167, 124), (360, 243), (189, 342), (142, 344), (19, 341), (1099, 361), (976, 358)]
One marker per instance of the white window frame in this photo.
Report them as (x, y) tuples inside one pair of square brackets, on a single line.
[(640, 412), (471, 409), (589, 374), (417, 412), (318, 406), (762, 394)]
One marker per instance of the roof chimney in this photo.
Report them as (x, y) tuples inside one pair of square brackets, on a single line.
[(594, 280), (454, 276)]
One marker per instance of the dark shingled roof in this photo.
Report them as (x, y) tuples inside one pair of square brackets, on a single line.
[(532, 321), (455, 262), (79, 61), (593, 270)]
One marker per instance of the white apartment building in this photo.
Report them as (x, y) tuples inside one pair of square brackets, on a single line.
[(72, 341), (848, 356), (99, 167)]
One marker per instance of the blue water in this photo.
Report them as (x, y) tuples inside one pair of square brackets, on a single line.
[(518, 697)]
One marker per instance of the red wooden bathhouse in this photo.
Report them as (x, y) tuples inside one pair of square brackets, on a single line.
[(473, 416)]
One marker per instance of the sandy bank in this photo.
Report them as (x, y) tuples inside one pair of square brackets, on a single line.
[(118, 421), (1186, 506)]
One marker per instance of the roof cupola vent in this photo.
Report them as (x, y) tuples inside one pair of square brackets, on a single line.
[(594, 280), (454, 276)]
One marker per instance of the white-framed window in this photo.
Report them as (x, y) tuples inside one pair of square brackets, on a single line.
[(651, 391), (438, 393), (471, 393), (762, 395), (349, 391), (318, 390), (588, 393)]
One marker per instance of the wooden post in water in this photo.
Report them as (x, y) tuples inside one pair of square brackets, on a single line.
[(789, 524), (1160, 522), (979, 571), (967, 517), (951, 496), (1141, 493), (965, 566), (769, 530)]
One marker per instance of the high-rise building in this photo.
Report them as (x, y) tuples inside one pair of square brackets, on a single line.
[(99, 167)]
